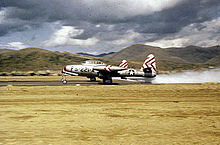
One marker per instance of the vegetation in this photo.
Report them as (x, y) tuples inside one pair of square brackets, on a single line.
[(189, 58), (172, 66), (106, 114), (37, 59), (190, 54)]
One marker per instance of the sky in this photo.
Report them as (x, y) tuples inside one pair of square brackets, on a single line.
[(102, 26)]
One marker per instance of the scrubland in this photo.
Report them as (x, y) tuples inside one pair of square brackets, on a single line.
[(110, 114)]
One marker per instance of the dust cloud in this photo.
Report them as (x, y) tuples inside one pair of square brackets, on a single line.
[(211, 75)]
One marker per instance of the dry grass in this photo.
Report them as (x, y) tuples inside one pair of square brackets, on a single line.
[(131, 114)]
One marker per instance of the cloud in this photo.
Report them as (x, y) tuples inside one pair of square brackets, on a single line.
[(149, 16), (13, 45), (65, 37), (110, 11), (2, 16), (16, 45), (109, 24), (192, 34), (179, 42), (127, 38)]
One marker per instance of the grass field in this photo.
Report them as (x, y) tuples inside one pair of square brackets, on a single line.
[(130, 114)]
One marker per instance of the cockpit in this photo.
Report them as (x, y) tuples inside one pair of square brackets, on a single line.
[(92, 62)]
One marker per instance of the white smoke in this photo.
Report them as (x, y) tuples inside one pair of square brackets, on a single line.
[(211, 75)]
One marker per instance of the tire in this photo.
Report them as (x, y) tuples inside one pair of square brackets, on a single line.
[(93, 79), (64, 82), (107, 81)]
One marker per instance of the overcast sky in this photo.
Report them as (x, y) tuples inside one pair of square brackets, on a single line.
[(98, 26)]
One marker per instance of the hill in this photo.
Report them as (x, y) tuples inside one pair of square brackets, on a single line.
[(190, 54), (194, 54), (215, 60), (5, 50), (139, 52), (34, 59), (37, 59), (191, 57)]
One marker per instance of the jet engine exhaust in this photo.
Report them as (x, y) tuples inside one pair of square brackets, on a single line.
[(210, 75)]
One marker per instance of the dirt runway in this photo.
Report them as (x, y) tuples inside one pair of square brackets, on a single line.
[(112, 114)]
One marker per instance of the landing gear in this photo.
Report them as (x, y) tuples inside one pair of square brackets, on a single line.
[(63, 80), (92, 79), (107, 81), (106, 77)]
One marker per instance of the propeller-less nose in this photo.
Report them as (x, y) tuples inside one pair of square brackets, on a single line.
[(64, 68)]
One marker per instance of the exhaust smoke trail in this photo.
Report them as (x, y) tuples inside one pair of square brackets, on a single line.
[(211, 75)]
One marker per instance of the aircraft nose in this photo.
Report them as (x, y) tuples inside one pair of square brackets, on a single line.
[(64, 67)]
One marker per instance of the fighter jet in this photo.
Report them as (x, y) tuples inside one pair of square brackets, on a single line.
[(92, 69)]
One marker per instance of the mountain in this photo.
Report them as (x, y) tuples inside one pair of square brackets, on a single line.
[(215, 60), (190, 54), (6, 50), (194, 54), (139, 52), (37, 59), (99, 55), (34, 59)]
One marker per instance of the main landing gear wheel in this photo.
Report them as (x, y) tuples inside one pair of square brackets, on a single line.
[(93, 79), (107, 81)]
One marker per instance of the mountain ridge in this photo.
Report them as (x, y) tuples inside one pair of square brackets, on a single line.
[(6, 50), (189, 54), (98, 55), (37, 59), (34, 59)]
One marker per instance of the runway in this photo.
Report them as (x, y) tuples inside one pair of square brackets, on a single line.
[(59, 83), (82, 81)]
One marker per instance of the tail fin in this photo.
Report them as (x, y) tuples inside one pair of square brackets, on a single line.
[(150, 64), (124, 64)]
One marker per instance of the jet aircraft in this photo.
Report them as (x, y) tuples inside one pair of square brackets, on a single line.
[(92, 69)]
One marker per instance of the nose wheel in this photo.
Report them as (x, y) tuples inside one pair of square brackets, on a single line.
[(63, 80)]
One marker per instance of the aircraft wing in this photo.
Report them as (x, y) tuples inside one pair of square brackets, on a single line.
[(109, 68)]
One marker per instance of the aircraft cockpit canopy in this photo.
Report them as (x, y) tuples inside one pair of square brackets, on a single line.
[(93, 62)]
